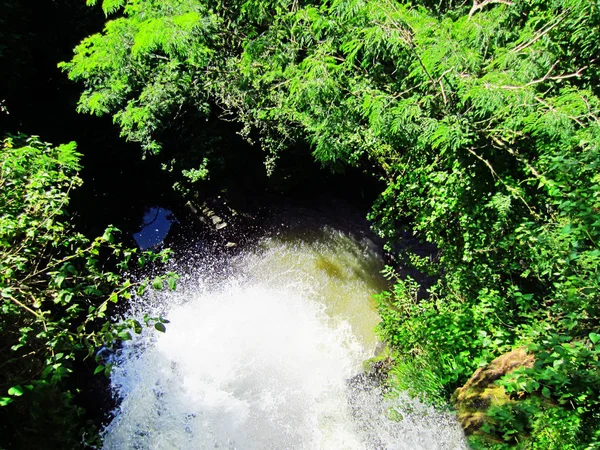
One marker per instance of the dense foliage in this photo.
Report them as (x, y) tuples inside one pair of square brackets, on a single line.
[(57, 288), (483, 121)]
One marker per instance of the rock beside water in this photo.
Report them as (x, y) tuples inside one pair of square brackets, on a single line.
[(473, 400)]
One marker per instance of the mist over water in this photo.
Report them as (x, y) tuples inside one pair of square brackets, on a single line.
[(259, 353)]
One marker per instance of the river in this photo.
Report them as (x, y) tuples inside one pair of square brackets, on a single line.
[(263, 350)]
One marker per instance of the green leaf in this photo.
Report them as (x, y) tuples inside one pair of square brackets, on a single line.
[(594, 337), (157, 283), (98, 369), (16, 391), (108, 235), (110, 6), (546, 392), (59, 279), (172, 280), (125, 335), (160, 327), (137, 327), (141, 289)]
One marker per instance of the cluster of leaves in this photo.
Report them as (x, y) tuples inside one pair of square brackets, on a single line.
[(57, 287), (482, 120), (147, 66)]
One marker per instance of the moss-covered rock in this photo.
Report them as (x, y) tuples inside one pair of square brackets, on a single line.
[(480, 393)]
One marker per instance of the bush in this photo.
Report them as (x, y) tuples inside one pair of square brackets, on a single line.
[(57, 288)]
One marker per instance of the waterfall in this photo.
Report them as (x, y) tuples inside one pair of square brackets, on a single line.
[(259, 352)]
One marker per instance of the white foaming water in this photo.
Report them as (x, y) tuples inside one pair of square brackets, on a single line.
[(263, 360)]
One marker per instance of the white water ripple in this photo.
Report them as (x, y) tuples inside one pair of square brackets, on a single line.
[(263, 361)]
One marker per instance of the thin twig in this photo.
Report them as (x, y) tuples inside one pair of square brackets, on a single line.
[(507, 186), (542, 33), (28, 309), (547, 77), (505, 146), (551, 108), (477, 6)]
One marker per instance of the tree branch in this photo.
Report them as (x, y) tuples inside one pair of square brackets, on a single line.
[(477, 6), (553, 109), (548, 77), (543, 32)]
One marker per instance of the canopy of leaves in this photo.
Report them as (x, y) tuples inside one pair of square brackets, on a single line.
[(482, 119)]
